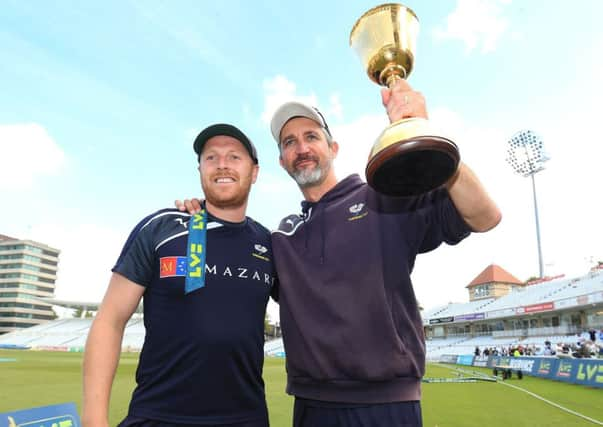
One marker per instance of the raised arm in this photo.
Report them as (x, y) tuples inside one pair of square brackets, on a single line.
[(472, 201), (103, 348)]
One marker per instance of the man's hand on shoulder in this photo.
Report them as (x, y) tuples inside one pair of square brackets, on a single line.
[(192, 206)]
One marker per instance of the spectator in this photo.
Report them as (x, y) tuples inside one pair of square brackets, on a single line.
[(548, 349), (582, 351)]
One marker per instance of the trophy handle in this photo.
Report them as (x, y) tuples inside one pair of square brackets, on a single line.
[(391, 74)]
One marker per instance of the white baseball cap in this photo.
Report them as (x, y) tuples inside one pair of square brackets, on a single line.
[(290, 110)]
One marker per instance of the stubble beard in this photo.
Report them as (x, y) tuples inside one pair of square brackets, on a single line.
[(230, 200)]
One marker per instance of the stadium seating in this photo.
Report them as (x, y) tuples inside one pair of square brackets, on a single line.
[(274, 347), (70, 334)]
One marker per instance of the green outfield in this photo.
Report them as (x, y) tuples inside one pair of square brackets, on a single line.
[(29, 379)]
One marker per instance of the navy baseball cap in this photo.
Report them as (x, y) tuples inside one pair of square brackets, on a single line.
[(227, 130)]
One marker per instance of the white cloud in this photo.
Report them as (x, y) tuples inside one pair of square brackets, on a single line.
[(28, 153), (279, 90), (357, 138), (568, 207), (355, 142), (88, 252), (441, 275), (273, 197), (335, 109), (190, 134), (479, 24)]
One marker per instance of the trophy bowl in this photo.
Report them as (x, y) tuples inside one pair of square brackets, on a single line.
[(408, 158)]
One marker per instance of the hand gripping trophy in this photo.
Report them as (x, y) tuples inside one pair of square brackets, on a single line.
[(408, 158)]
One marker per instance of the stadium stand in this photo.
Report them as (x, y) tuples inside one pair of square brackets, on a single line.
[(70, 334), (530, 295), (274, 347), (560, 310), (455, 309)]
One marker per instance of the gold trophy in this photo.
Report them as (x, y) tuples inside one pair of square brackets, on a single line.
[(408, 158)]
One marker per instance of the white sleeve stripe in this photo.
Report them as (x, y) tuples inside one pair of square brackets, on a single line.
[(210, 226), (170, 238), (163, 214)]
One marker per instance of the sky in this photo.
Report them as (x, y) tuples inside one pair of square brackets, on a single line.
[(100, 103)]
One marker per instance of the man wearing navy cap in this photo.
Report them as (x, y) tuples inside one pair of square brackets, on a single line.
[(206, 279)]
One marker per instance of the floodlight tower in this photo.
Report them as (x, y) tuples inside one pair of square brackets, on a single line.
[(527, 157)]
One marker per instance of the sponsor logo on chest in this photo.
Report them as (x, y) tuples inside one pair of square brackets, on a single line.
[(260, 252), (358, 211), (172, 266), (175, 266)]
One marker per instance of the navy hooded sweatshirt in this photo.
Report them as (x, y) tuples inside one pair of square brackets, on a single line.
[(351, 324)]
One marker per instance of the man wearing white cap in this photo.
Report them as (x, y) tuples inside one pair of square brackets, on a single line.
[(351, 326)]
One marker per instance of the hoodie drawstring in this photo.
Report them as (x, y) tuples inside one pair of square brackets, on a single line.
[(342, 189), (307, 208), (322, 235)]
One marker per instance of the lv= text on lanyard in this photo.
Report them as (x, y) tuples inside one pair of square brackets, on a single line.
[(196, 251)]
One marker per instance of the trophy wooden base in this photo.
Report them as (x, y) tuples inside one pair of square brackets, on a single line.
[(413, 166)]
